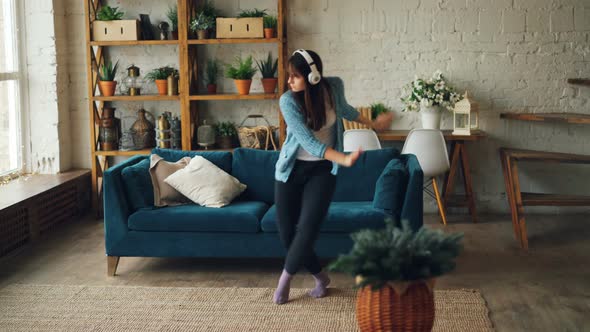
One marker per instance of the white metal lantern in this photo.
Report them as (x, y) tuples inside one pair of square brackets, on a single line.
[(465, 116)]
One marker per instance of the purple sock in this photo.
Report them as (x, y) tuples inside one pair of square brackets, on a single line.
[(321, 284), (282, 293)]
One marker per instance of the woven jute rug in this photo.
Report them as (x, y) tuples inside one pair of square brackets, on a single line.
[(114, 308)]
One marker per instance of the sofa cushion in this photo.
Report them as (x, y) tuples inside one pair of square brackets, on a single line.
[(256, 169), (343, 217), (391, 187), (357, 183), (138, 184), (206, 184), (221, 159), (164, 193), (238, 217)]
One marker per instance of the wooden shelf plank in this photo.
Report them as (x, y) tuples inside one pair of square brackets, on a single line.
[(122, 153), (544, 156), (401, 135), (134, 42), (235, 41), (251, 96), (549, 117), (535, 199), (136, 98), (579, 81)]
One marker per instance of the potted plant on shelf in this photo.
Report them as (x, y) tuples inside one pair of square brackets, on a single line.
[(109, 26), (252, 13), (173, 18), (270, 26), (160, 76), (431, 97), (211, 76), (242, 74), (106, 76), (268, 69), (226, 134), (378, 108), (201, 25), (395, 270)]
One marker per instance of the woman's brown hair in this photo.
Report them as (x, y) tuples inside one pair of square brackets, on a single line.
[(314, 98)]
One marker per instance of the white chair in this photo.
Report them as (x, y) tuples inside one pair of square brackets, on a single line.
[(429, 147), (365, 139)]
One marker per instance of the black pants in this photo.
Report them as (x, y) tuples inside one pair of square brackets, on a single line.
[(302, 204)]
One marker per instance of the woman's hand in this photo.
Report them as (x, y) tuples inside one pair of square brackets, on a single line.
[(351, 158), (383, 121)]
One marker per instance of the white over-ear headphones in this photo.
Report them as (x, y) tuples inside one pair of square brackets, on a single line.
[(314, 77)]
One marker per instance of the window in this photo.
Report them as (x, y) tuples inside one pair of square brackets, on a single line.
[(11, 152)]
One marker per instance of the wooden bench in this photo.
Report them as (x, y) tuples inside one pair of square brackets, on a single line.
[(518, 199)]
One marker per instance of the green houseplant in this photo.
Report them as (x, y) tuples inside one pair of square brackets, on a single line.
[(106, 78), (270, 26), (252, 13), (242, 72), (395, 270), (211, 76), (226, 133), (160, 76), (201, 24), (378, 108), (172, 15), (268, 69), (108, 13)]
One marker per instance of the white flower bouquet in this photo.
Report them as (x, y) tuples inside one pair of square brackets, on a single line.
[(431, 92)]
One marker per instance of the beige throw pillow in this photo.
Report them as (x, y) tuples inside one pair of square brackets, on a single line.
[(160, 169), (206, 184)]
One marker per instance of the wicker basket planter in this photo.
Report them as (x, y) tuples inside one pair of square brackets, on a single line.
[(399, 306)]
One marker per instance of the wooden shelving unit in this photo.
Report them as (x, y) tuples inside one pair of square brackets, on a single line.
[(188, 98)]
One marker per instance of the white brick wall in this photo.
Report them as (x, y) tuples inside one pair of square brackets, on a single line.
[(512, 55)]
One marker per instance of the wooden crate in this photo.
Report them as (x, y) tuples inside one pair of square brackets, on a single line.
[(118, 30), (245, 27)]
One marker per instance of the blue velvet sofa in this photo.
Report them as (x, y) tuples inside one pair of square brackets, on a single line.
[(381, 184)]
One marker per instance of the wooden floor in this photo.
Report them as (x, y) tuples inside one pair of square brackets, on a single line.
[(546, 289)]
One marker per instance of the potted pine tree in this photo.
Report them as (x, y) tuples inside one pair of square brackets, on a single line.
[(160, 76), (268, 69), (270, 26), (106, 76), (211, 76), (395, 269), (242, 73)]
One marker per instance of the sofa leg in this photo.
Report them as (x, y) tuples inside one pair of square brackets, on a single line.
[(112, 263)]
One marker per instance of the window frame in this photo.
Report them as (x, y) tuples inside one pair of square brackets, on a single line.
[(20, 76)]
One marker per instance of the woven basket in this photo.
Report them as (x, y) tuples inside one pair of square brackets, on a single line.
[(396, 307), (366, 111), (257, 137)]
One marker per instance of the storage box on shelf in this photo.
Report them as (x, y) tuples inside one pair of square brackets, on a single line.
[(118, 30)]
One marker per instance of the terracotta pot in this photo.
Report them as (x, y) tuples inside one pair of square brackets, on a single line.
[(162, 87), (202, 34), (243, 86), (175, 35), (212, 89), (225, 142), (397, 306), (269, 33), (269, 85), (107, 88)]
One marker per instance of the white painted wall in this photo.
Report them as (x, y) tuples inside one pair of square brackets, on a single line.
[(512, 55)]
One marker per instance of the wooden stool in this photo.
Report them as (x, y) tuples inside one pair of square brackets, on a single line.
[(518, 199)]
